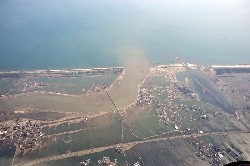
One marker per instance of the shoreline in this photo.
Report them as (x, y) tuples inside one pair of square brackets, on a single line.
[(61, 73), (232, 66), (114, 68), (51, 73), (63, 70)]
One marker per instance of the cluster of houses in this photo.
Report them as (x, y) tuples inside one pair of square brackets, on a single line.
[(23, 85), (106, 161), (97, 88), (24, 134), (119, 149), (145, 93), (170, 113), (185, 90), (148, 95), (137, 163), (216, 154), (84, 163)]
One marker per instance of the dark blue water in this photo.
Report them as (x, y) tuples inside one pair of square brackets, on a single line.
[(62, 34)]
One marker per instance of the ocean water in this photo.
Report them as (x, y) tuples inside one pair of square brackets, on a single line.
[(65, 34)]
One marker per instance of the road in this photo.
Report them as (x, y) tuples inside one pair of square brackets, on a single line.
[(126, 146)]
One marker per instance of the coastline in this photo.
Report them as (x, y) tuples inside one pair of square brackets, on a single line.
[(59, 73), (232, 66)]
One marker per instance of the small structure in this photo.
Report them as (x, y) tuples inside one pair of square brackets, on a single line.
[(84, 163), (119, 149), (137, 163), (203, 116), (220, 155), (105, 161), (53, 139), (176, 127)]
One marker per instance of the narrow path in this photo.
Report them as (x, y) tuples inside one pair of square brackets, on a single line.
[(126, 146), (111, 99)]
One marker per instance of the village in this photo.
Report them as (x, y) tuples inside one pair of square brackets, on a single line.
[(171, 100), (24, 134), (217, 155)]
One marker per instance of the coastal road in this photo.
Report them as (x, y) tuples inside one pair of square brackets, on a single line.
[(126, 146)]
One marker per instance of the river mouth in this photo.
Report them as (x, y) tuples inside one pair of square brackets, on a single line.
[(199, 81)]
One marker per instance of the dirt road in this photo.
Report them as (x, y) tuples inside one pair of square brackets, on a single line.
[(126, 146)]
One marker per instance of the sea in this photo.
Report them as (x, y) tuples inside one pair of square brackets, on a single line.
[(68, 34)]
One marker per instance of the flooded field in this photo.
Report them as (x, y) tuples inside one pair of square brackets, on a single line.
[(181, 76), (201, 82), (123, 94), (94, 158), (159, 81), (65, 85), (165, 115)]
